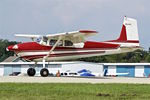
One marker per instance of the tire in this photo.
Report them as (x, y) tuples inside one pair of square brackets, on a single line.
[(44, 72), (31, 72)]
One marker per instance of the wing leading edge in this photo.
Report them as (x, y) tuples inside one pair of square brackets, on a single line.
[(85, 33)]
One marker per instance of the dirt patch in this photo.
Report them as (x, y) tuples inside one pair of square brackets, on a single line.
[(103, 94), (122, 95)]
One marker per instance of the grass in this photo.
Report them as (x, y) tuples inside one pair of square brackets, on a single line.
[(62, 91)]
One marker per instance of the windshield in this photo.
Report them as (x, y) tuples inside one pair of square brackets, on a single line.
[(51, 42), (38, 40), (42, 40)]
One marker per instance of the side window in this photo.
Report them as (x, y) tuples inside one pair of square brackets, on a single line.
[(45, 39), (68, 43), (60, 43), (42, 41), (52, 42)]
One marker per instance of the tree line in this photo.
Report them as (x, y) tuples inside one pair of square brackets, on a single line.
[(137, 56), (132, 57)]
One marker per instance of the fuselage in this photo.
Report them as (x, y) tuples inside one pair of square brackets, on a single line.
[(34, 51)]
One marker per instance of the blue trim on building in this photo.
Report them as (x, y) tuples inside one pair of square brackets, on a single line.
[(16, 68), (105, 67), (126, 69), (147, 70), (105, 70), (7, 70)]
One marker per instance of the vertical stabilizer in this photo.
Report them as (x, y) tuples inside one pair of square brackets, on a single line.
[(129, 33)]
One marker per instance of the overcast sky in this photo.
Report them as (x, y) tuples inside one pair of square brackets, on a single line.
[(53, 16)]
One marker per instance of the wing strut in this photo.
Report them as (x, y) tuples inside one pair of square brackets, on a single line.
[(52, 49)]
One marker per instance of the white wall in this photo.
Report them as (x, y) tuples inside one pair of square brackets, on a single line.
[(111, 70), (1, 70), (54, 68), (24, 69), (139, 71)]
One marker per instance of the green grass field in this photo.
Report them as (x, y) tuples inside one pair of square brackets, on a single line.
[(52, 91)]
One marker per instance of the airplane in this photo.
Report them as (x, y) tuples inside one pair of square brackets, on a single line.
[(73, 45), (106, 73)]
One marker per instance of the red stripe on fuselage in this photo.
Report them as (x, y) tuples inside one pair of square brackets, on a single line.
[(31, 57), (69, 50), (128, 41)]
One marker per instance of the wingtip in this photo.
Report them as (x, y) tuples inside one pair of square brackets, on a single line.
[(88, 31)]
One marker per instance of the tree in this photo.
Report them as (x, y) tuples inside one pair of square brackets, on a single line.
[(3, 53), (131, 57), (148, 58)]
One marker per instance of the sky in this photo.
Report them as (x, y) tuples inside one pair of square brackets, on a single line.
[(55, 16)]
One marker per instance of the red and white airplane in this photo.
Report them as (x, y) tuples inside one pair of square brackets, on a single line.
[(73, 45)]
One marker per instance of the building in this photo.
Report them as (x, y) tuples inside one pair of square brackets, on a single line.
[(133, 69), (15, 64), (7, 68)]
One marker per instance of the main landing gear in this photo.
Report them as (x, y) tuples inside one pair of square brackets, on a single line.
[(31, 71), (43, 72)]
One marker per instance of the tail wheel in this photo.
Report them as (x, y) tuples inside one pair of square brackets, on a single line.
[(44, 72), (31, 71)]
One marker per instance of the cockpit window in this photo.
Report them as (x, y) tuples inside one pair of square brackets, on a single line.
[(42, 40), (61, 43), (45, 39), (68, 43), (38, 40), (52, 42)]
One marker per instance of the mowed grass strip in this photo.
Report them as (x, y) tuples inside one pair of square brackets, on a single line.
[(62, 91)]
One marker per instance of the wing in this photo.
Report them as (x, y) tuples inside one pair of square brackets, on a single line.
[(28, 36), (85, 33), (74, 36)]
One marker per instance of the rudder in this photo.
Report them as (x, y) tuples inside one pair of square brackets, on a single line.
[(129, 32)]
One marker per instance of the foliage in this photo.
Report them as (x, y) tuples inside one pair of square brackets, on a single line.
[(3, 53), (73, 91), (148, 58), (131, 57)]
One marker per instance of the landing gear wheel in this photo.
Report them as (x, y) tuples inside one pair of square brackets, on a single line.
[(31, 71), (44, 72)]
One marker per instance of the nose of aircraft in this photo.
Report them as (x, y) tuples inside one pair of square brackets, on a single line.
[(12, 47)]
